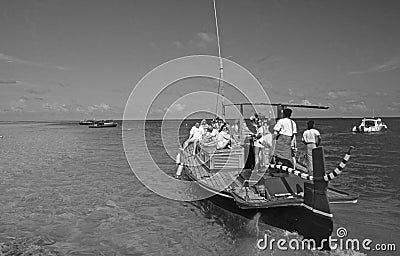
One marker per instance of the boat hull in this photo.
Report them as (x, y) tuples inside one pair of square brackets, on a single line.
[(368, 129), (103, 125), (87, 122), (296, 218)]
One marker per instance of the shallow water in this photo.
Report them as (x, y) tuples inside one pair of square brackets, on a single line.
[(72, 187)]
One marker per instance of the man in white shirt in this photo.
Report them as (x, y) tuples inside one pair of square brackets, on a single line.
[(195, 135), (312, 138), (285, 134)]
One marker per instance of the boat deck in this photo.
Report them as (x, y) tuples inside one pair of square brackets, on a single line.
[(255, 189)]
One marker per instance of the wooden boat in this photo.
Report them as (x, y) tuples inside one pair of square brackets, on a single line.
[(283, 197), (104, 124), (370, 124)]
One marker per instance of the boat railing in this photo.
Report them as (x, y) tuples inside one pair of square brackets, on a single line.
[(213, 158)]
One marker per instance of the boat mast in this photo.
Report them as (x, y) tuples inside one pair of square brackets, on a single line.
[(221, 68)]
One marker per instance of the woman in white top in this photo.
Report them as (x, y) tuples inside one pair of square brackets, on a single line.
[(285, 135), (223, 138), (312, 138)]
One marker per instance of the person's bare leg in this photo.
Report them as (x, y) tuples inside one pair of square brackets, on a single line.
[(256, 158)]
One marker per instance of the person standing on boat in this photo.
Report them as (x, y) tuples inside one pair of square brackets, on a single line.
[(285, 135), (203, 126), (268, 143), (312, 138), (258, 146), (223, 138), (195, 135)]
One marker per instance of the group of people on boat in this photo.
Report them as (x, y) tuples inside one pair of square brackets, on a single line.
[(272, 142), (217, 134)]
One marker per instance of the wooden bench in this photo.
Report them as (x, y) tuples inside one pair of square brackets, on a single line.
[(222, 158)]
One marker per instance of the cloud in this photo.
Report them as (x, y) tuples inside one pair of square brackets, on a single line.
[(389, 65), (394, 106), (63, 85), (22, 99), (37, 91), (208, 38), (99, 107), (18, 105), (11, 59), (333, 95), (56, 107), (344, 94), (178, 107), (47, 106), (63, 108), (353, 106), (179, 44), (306, 102), (203, 40), (378, 93), (8, 82), (17, 108)]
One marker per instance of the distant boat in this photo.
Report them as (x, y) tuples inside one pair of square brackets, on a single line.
[(104, 124), (87, 122), (370, 124)]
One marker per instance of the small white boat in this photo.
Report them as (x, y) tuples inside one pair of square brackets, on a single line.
[(370, 124), (104, 124), (87, 122)]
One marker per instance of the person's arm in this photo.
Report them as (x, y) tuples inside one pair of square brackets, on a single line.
[(318, 140), (277, 128), (303, 140), (294, 132), (293, 143), (191, 133)]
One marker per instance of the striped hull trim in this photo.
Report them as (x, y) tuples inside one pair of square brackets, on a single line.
[(329, 215), (327, 177)]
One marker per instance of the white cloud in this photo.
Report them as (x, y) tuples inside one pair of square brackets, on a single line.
[(99, 107), (56, 107), (394, 106), (203, 40), (64, 108), (11, 59), (179, 44), (179, 107), (19, 104), (389, 65), (17, 108), (353, 106), (345, 95), (208, 38), (306, 102)]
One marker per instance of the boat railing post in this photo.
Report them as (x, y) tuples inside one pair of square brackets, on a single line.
[(315, 194)]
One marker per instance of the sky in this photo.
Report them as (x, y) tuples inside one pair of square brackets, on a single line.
[(73, 59)]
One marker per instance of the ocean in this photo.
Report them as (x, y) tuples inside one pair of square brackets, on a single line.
[(66, 189)]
